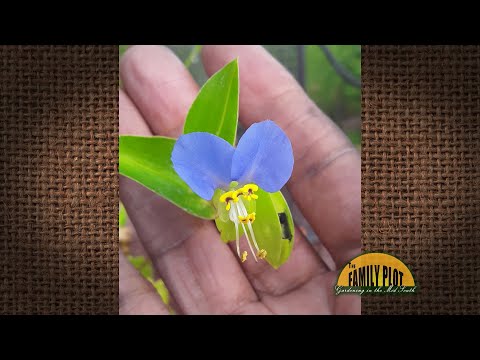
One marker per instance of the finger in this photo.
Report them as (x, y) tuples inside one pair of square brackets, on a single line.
[(136, 296), (348, 304), (326, 177), (134, 126), (302, 266), (133, 122), (160, 86), (200, 271)]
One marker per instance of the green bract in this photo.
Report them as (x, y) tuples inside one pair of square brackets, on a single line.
[(273, 226)]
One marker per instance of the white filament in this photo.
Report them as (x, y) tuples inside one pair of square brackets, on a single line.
[(244, 210), (232, 214), (253, 235), (238, 209), (249, 243)]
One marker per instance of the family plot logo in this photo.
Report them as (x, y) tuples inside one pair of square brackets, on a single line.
[(376, 274)]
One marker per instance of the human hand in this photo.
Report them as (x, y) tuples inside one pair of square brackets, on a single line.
[(202, 273)]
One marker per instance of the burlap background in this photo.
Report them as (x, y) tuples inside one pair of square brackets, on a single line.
[(58, 182), (421, 172)]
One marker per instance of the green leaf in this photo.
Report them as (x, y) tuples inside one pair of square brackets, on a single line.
[(122, 216), (143, 266), (215, 109), (273, 227), (161, 290), (147, 161)]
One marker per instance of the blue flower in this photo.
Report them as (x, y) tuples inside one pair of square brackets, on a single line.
[(262, 159)]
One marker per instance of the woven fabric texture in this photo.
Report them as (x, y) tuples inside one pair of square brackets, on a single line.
[(421, 172), (58, 181)]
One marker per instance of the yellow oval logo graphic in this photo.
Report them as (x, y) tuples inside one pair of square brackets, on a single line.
[(375, 274)]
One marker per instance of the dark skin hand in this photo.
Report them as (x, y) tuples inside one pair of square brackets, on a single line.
[(204, 275)]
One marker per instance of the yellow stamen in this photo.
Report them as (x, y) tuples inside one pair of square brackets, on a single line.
[(244, 256), (262, 254), (248, 191), (243, 219), (228, 197), (239, 193), (225, 196), (246, 219), (250, 187)]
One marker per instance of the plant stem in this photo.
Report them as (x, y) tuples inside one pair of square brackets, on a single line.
[(193, 55)]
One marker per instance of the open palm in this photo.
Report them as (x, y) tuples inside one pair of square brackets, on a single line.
[(203, 274)]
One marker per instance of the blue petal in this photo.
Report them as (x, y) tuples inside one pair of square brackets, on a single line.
[(203, 161), (263, 156)]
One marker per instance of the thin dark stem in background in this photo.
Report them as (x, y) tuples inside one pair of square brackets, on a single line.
[(301, 65), (339, 68)]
